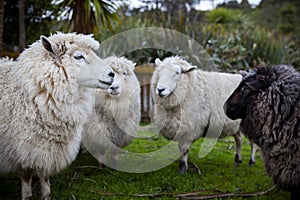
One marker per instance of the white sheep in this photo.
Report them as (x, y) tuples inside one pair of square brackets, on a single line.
[(46, 97), (189, 105), (117, 113)]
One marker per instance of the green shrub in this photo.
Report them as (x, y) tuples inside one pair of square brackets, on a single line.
[(225, 16), (227, 35)]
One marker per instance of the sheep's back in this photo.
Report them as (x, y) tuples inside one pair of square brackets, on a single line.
[(218, 87)]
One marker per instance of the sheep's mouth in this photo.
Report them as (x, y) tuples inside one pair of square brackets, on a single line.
[(105, 83), (114, 93), (162, 95)]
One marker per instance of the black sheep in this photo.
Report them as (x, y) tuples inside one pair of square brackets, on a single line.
[(268, 102)]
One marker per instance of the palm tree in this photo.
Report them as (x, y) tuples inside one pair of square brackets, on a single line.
[(88, 16)]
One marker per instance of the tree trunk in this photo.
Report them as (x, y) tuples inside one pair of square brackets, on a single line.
[(83, 17), (1, 26), (22, 32)]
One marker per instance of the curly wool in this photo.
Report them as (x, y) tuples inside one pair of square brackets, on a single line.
[(115, 119), (193, 95), (195, 107), (272, 122), (42, 108)]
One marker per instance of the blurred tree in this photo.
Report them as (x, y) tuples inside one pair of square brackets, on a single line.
[(166, 12), (245, 5), (1, 26), (11, 24), (233, 4), (22, 30), (153, 6), (288, 17), (278, 15), (232, 41), (38, 16), (88, 16), (169, 5)]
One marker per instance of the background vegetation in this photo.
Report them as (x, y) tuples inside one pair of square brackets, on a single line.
[(84, 180), (236, 36)]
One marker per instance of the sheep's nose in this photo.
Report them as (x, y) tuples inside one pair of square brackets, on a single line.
[(160, 90), (115, 87), (111, 74)]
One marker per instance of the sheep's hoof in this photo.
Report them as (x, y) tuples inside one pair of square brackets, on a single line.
[(182, 168), (47, 197), (102, 166), (237, 161), (80, 151), (251, 163)]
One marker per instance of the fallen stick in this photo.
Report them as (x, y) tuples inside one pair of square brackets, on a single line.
[(231, 194), (191, 195)]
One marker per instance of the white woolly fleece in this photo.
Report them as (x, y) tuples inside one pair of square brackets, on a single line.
[(42, 106)]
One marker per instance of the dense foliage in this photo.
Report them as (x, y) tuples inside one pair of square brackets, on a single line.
[(38, 20), (230, 33), (235, 35)]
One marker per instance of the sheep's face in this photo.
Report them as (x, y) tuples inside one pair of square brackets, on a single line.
[(168, 76), (91, 71), (253, 83), (94, 72), (124, 76), (116, 88), (235, 106)]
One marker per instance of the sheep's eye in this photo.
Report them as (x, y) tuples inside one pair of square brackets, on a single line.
[(177, 73), (244, 91), (124, 73), (79, 57)]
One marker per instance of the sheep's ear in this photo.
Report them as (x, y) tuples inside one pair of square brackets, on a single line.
[(243, 73), (157, 62), (189, 69), (48, 45), (133, 66), (254, 85)]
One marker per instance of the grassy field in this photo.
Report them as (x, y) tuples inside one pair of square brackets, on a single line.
[(84, 180)]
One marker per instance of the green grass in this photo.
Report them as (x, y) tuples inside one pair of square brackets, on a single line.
[(81, 181)]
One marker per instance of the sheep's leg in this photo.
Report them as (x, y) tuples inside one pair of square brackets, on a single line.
[(45, 186), (114, 158), (26, 179), (184, 151), (295, 194), (102, 158), (238, 151), (253, 151)]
